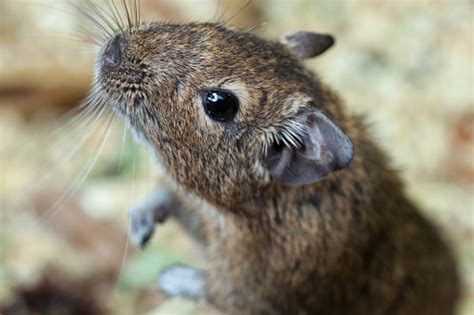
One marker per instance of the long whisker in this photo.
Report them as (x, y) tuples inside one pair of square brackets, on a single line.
[(116, 13), (132, 202), (222, 15), (125, 250), (99, 117), (85, 35), (78, 113), (124, 135), (73, 116), (238, 12), (109, 16), (147, 169), (93, 37), (99, 11), (217, 11), (256, 26), (100, 28), (84, 123), (139, 10), (113, 16), (125, 6), (136, 13), (52, 211), (86, 107), (77, 135)]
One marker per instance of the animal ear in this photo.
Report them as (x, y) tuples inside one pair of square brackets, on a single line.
[(322, 149), (307, 44)]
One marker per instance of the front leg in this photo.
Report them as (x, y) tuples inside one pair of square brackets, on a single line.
[(156, 209), (146, 215), (177, 280)]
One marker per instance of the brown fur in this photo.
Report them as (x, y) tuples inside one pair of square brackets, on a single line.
[(351, 243)]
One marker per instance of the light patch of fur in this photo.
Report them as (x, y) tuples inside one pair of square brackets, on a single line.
[(290, 131)]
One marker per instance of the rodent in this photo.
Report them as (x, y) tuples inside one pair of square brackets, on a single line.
[(299, 212)]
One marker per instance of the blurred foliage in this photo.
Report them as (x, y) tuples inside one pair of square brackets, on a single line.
[(406, 65)]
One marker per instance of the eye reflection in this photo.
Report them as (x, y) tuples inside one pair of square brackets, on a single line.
[(220, 105)]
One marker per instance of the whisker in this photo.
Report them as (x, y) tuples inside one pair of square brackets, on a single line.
[(222, 15), (78, 113), (99, 11), (116, 13), (77, 147), (105, 15), (72, 116), (139, 10), (136, 13), (84, 35), (87, 114), (125, 130), (132, 202), (125, 250), (217, 11), (75, 135), (92, 36), (114, 16), (238, 12), (256, 26), (125, 6), (100, 28), (89, 48), (85, 122), (72, 188), (124, 134), (134, 158), (147, 169)]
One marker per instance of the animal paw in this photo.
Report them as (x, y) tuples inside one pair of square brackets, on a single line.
[(182, 281), (144, 217), (142, 226)]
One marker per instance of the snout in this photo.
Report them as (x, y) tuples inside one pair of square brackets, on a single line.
[(112, 55)]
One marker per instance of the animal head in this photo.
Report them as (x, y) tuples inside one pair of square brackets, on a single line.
[(227, 113)]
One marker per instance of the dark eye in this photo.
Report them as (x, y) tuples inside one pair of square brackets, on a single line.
[(220, 105)]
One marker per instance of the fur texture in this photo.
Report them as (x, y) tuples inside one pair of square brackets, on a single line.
[(350, 243)]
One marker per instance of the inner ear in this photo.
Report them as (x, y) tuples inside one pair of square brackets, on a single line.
[(307, 44), (321, 148)]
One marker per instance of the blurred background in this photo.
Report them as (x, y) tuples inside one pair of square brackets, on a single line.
[(66, 184)]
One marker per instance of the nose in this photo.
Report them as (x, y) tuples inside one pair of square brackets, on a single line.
[(112, 55)]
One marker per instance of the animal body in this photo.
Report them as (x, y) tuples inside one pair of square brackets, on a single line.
[(299, 211)]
